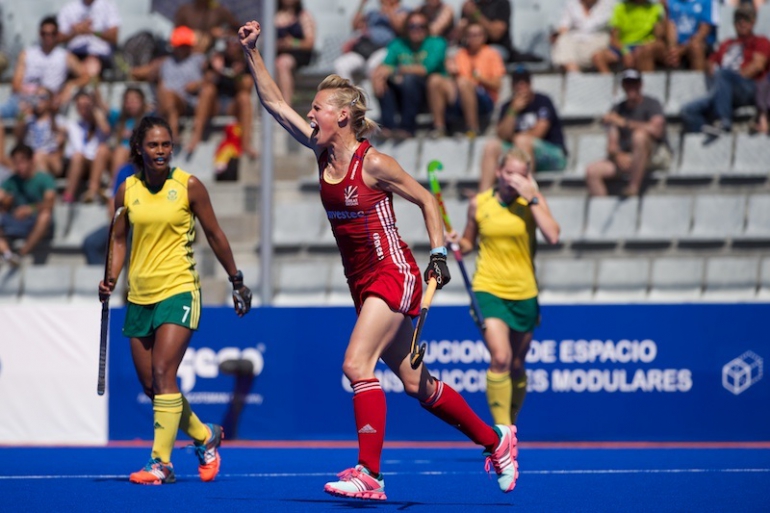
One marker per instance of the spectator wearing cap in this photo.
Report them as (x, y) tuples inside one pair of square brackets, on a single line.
[(89, 28), (692, 30), (180, 78), (528, 121), (636, 140), (736, 67), (471, 89), (637, 37)]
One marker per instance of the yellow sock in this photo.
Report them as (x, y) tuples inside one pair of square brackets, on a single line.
[(517, 396), (499, 396), (191, 425), (167, 411)]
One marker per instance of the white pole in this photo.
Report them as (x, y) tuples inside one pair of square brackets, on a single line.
[(266, 183)]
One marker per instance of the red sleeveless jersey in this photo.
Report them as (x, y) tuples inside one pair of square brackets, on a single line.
[(364, 225)]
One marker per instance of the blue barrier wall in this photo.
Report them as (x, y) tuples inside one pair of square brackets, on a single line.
[(596, 372)]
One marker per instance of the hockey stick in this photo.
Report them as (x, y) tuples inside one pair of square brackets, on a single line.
[(106, 305), (435, 188), (417, 350)]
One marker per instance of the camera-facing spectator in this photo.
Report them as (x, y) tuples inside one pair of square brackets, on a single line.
[(471, 89), (400, 81), (133, 108), (90, 30), (636, 140), (736, 67), (26, 204), (495, 17), (226, 89), (43, 64), (295, 30), (208, 19), (44, 130), (692, 31), (528, 121), (86, 148), (441, 18), (372, 32), (583, 30), (637, 37)]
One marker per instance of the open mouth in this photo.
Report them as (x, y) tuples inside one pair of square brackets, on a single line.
[(314, 126)]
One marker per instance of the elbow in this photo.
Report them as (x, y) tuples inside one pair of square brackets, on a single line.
[(552, 236)]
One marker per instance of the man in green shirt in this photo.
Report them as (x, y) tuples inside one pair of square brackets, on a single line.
[(26, 205), (637, 37), (400, 81)]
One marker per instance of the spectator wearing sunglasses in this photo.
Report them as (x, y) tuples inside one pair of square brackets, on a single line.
[(400, 81), (43, 65)]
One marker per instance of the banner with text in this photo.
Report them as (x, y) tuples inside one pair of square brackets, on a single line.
[(596, 372)]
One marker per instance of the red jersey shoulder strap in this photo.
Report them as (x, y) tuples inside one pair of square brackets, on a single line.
[(357, 162)]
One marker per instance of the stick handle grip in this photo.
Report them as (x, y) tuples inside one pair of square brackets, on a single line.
[(428, 297)]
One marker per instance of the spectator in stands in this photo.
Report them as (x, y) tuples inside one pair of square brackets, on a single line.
[(736, 67), (495, 17), (636, 140), (441, 18), (226, 89), (692, 31), (180, 78), (637, 37), (583, 31), (26, 204), (95, 243), (44, 130), (295, 30), (528, 121), (471, 89), (208, 19), (86, 148), (373, 31), (400, 81), (90, 30), (133, 108), (43, 64)]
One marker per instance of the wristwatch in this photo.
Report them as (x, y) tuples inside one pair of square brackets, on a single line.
[(534, 201)]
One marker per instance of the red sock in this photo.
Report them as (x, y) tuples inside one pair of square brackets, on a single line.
[(369, 408), (449, 406)]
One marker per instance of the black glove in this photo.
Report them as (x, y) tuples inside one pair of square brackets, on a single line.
[(438, 269), (241, 294)]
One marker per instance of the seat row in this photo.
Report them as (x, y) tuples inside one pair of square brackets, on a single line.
[(654, 220), (321, 282), (738, 157)]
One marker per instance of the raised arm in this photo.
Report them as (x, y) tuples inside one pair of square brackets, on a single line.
[(269, 94)]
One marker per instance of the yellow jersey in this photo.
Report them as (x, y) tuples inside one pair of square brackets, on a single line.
[(163, 230), (505, 266)]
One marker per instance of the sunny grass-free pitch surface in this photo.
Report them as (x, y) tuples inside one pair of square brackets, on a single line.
[(281, 477)]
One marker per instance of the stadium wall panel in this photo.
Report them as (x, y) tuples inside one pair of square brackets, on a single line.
[(689, 372)]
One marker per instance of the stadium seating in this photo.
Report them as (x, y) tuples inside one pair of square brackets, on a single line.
[(731, 279), (676, 279), (622, 280), (50, 283)]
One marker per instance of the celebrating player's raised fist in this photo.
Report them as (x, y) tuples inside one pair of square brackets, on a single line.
[(248, 34)]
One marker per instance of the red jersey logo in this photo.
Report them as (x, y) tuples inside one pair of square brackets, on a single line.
[(351, 196)]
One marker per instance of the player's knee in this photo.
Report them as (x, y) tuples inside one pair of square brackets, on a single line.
[(354, 370)]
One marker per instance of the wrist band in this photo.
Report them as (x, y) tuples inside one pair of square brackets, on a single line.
[(237, 277), (441, 250)]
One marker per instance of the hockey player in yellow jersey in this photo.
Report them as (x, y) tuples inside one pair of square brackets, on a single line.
[(503, 220), (164, 298)]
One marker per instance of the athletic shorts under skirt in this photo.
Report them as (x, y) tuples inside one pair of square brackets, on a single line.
[(520, 315)]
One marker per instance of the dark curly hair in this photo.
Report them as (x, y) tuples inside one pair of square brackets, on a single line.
[(137, 137)]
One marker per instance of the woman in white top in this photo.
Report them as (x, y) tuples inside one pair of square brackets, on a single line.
[(582, 32)]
